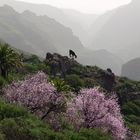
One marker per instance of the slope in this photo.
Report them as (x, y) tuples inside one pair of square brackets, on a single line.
[(131, 69), (78, 22), (37, 34)]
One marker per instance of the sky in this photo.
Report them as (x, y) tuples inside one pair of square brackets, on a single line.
[(85, 6)]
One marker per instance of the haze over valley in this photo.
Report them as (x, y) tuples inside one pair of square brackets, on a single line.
[(107, 40)]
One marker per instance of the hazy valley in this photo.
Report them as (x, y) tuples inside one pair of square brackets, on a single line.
[(41, 34)]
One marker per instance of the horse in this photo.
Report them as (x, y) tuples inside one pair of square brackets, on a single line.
[(72, 54)]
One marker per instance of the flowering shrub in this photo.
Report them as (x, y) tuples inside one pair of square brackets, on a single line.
[(36, 94), (92, 109)]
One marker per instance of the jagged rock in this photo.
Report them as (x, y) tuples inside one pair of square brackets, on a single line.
[(60, 64)]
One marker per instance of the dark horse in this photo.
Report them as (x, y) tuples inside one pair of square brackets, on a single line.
[(72, 54)]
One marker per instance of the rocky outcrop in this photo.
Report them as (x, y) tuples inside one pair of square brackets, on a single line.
[(59, 64)]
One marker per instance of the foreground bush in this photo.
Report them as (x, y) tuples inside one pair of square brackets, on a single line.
[(75, 82), (37, 95), (91, 109), (131, 110), (17, 124)]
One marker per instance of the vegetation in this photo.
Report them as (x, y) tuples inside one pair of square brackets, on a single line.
[(75, 82), (42, 99), (37, 95), (61, 85), (18, 124), (38, 106), (93, 109), (9, 59)]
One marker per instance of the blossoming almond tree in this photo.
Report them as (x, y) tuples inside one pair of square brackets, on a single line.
[(37, 95), (92, 109)]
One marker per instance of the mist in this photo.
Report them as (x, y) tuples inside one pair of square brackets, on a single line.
[(111, 32), (84, 6)]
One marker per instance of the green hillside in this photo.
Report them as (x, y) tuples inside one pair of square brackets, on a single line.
[(69, 79)]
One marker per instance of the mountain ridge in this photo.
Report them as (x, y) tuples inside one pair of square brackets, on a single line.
[(63, 16), (41, 34), (31, 31), (120, 33), (131, 69)]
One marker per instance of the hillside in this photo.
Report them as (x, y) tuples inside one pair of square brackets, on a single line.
[(132, 69), (53, 95), (120, 33)]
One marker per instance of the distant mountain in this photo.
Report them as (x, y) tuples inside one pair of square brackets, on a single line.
[(37, 34), (120, 32), (84, 19), (96, 27), (103, 59), (41, 34), (132, 69), (78, 22)]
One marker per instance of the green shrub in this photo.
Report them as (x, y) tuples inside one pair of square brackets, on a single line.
[(87, 134), (2, 82), (90, 83), (95, 134), (11, 111), (10, 78), (131, 110), (33, 59), (2, 137), (30, 68), (135, 128), (126, 90), (75, 82), (17, 124), (60, 85), (33, 68)]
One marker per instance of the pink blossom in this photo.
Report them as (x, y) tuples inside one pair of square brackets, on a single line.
[(36, 94), (92, 109)]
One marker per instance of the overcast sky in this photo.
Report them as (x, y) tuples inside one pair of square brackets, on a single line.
[(86, 6)]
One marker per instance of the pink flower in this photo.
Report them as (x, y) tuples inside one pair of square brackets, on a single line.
[(36, 94), (92, 109)]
